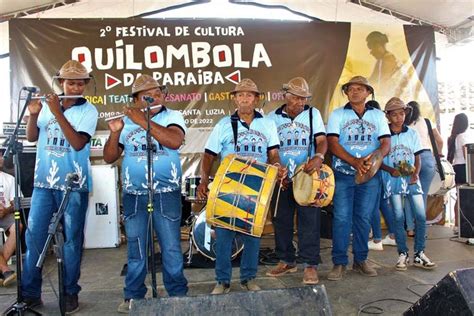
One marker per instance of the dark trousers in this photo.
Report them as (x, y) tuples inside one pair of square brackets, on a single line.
[(309, 226)]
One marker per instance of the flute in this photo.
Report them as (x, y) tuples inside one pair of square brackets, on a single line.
[(43, 97), (122, 115)]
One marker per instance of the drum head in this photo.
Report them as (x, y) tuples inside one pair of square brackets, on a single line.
[(316, 189), (204, 238), (303, 187)]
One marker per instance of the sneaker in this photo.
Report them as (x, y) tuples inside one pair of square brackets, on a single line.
[(9, 277), (72, 304), (32, 302), (402, 262), (250, 285), (410, 233), (124, 307), (310, 275), (337, 272), (281, 269), (221, 288), (422, 261), (375, 245), (387, 241), (364, 268)]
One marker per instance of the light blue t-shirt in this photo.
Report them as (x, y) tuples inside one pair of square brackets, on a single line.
[(294, 135), (252, 141), (55, 157), (359, 136), (404, 147), (166, 163)]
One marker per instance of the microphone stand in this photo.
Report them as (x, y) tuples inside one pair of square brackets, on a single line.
[(149, 159), (15, 147), (55, 229)]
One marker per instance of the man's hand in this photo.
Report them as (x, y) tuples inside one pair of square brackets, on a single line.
[(202, 189), (362, 165), (395, 173), (116, 125), (4, 211), (53, 103), (313, 165), (35, 106), (135, 114), (414, 178)]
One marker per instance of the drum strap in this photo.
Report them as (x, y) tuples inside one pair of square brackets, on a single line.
[(311, 138), (435, 150), (234, 121)]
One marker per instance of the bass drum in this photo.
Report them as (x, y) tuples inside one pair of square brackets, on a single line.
[(204, 238), (439, 187)]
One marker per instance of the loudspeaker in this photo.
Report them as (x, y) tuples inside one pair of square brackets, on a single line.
[(453, 295), (309, 300), (327, 214), (466, 211)]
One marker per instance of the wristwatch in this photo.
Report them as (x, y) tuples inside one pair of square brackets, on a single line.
[(319, 155)]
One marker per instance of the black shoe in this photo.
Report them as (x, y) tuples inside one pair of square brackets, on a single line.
[(72, 304), (1, 279), (9, 277), (33, 301)]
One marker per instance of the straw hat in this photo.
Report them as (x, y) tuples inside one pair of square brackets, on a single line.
[(297, 86), (143, 83), (395, 104), (358, 80), (246, 85), (73, 70)]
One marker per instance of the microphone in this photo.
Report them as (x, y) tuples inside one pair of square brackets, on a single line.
[(31, 89), (72, 177), (148, 99)]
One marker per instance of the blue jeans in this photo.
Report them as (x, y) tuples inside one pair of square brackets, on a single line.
[(248, 261), (166, 223), (427, 172), (417, 205), (44, 203), (353, 208), (387, 213), (309, 225)]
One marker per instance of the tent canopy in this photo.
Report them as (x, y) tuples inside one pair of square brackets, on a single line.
[(451, 17)]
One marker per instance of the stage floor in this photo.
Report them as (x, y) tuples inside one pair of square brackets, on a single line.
[(102, 284)]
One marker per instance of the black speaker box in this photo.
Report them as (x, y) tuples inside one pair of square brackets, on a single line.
[(309, 300), (327, 214), (466, 211), (453, 295)]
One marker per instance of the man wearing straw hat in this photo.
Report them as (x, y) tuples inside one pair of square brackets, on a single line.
[(75, 119), (167, 133), (221, 142), (300, 118), (354, 132)]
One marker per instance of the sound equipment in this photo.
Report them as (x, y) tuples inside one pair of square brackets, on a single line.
[(308, 300), (470, 164), (101, 229), (327, 214), (466, 211), (453, 295)]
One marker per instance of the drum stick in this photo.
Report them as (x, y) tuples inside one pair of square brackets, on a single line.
[(296, 173), (122, 115), (278, 199)]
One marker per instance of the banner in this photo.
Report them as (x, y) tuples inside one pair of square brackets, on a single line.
[(200, 61)]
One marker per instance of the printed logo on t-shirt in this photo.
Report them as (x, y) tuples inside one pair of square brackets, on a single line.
[(358, 134), (251, 143), (56, 143)]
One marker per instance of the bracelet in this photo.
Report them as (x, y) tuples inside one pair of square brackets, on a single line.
[(319, 155)]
